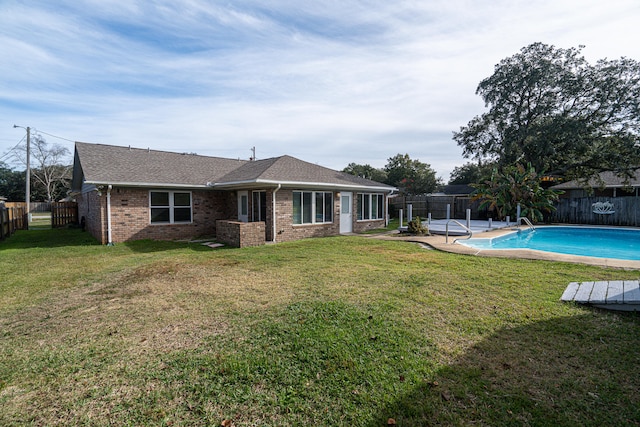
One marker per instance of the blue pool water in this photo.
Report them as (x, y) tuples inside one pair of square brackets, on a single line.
[(586, 241)]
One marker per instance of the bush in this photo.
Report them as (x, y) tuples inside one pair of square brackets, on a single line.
[(415, 226)]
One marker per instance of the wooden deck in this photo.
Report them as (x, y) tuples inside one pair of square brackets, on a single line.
[(613, 295)]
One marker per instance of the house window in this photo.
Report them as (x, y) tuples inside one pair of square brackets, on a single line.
[(259, 205), (312, 207), (370, 206), (169, 207)]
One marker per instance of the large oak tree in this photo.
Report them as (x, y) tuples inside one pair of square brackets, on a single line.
[(552, 109)]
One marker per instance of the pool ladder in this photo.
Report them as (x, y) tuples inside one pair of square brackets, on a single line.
[(526, 221), (464, 227)]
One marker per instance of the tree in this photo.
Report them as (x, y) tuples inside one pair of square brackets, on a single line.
[(366, 171), (513, 186), (51, 173), (550, 108), (12, 184), (410, 176), (470, 173)]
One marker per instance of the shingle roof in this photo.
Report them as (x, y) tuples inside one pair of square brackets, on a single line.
[(287, 169), (106, 164), (607, 179)]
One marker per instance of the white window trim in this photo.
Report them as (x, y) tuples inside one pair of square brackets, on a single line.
[(171, 207), (313, 209), (361, 207), (259, 207)]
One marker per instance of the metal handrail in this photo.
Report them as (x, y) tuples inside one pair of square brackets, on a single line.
[(468, 230), (526, 221)]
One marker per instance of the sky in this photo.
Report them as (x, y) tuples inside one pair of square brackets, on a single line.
[(329, 82)]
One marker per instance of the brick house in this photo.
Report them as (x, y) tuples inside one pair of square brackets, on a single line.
[(126, 194)]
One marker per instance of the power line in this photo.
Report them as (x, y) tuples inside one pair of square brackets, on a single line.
[(55, 136), (10, 152)]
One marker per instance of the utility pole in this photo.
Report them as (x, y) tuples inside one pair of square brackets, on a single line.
[(253, 150), (27, 193)]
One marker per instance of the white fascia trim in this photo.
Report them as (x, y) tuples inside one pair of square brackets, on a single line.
[(147, 184), (298, 184)]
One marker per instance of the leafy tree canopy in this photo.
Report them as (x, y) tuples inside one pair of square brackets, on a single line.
[(410, 176), (550, 108), (366, 171), (470, 173), (516, 185), (12, 184)]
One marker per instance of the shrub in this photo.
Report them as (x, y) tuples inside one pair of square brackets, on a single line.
[(415, 226)]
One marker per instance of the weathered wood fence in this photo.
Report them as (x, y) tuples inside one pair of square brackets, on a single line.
[(580, 211), (626, 210), (63, 213), (12, 218), (422, 206), (36, 207)]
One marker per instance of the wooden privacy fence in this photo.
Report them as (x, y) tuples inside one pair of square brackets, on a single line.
[(37, 207), (63, 213), (581, 211), (422, 206), (626, 209), (11, 219)]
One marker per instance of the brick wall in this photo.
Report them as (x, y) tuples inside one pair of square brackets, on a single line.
[(287, 231), (130, 218), (361, 226), (92, 207), (240, 234)]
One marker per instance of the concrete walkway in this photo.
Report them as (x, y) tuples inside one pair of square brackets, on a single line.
[(613, 295)]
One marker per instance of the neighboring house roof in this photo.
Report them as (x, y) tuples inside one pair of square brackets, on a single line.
[(456, 189), (99, 164), (606, 179)]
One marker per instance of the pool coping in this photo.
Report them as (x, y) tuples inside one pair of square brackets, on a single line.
[(439, 242)]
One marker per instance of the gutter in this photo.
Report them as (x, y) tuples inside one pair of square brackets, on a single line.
[(149, 184), (273, 212), (301, 185), (109, 240)]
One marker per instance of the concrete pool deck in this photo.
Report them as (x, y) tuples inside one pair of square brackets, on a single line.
[(439, 226), (438, 241)]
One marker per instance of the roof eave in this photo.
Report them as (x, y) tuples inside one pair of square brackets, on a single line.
[(147, 184), (297, 184)]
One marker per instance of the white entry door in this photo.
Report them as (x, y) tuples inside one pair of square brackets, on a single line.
[(346, 212), (243, 206)]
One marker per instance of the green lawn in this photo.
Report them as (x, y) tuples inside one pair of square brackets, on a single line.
[(347, 331)]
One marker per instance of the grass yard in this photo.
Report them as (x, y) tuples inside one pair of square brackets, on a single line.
[(337, 331), (40, 221)]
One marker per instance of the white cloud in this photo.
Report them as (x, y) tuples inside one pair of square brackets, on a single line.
[(329, 82)]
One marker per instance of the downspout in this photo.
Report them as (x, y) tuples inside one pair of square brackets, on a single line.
[(273, 212), (386, 213), (109, 241), (387, 217)]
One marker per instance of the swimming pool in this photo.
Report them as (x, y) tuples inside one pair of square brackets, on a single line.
[(586, 241)]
